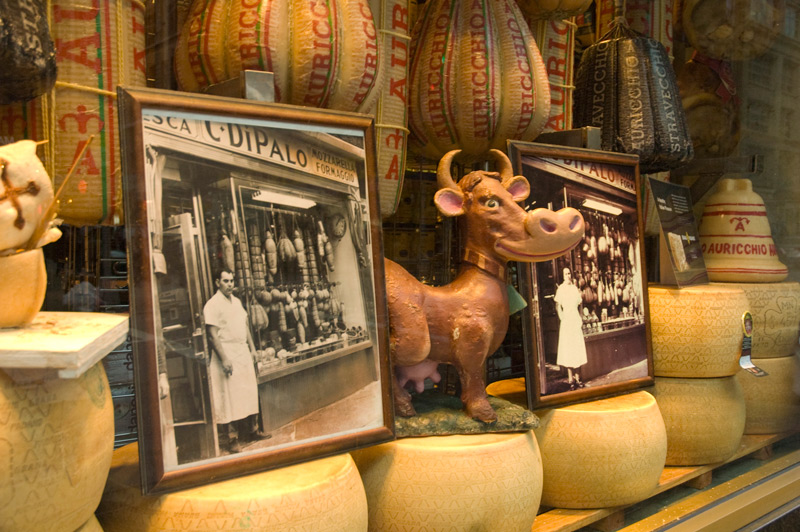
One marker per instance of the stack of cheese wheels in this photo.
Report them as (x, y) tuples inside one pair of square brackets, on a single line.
[(488, 482), (325, 496), (697, 339), (608, 452), (56, 443), (704, 418), (696, 331), (772, 405)]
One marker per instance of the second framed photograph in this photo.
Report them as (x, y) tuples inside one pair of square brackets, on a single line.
[(258, 314), (586, 327)]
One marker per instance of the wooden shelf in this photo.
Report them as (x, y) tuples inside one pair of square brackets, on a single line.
[(699, 477), (68, 343)]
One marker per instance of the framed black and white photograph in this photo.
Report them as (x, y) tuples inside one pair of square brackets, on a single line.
[(586, 327), (257, 302)]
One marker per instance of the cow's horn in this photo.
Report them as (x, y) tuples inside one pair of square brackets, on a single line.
[(443, 174), (503, 164)]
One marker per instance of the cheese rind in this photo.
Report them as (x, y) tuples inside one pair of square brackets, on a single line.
[(488, 482), (775, 308), (92, 525), (604, 453), (56, 441), (696, 331), (772, 405), (325, 495), (704, 418)]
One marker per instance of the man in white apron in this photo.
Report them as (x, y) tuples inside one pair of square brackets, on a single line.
[(233, 378)]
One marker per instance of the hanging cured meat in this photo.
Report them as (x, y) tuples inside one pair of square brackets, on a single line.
[(477, 78), (625, 85), (324, 53), (735, 29), (708, 93), (553, 9), (27, 52)]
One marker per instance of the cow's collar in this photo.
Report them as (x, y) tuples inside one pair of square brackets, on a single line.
[(491, 266)]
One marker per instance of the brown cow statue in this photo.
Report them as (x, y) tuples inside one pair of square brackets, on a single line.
[(462, 323)]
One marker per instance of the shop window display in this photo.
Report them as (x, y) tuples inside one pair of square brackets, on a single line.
[(736, 69)]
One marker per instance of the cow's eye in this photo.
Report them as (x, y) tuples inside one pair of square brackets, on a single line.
[(492, 203)]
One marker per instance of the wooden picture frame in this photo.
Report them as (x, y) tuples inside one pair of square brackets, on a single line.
[(604, 348), (212, 183)]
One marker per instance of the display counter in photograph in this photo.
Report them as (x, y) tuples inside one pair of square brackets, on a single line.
[(614, 349), (290, 391)]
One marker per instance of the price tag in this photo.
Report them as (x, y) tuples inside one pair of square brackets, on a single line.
[(747, 342)]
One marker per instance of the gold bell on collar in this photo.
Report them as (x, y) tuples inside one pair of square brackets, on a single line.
[(736, 238)]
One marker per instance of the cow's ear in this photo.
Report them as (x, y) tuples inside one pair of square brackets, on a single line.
[(450, 202), (518, 187)]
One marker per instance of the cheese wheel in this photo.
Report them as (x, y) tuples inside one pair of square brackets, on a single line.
[(56, 442), (512, 390), (704, 418), (772, 405), (23, 283), (324, 496), (776, 316), (92, 525), (460, 482), (696, 331), (603, 453)]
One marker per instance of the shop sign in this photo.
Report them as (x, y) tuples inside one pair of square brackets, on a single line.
[(260, 143)]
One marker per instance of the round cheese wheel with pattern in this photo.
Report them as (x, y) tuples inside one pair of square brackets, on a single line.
[(603, 453), (775, 308), (56, 442), (704, 418), (92, 525), (324, 496), (487, 482), (772, 404), (696, 331)]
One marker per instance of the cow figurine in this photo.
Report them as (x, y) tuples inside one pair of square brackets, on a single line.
[(462, 323)]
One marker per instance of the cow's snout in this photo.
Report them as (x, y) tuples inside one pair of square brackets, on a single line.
[(544, 222)]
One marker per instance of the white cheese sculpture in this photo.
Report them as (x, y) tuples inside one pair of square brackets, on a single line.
[(26, 196)]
